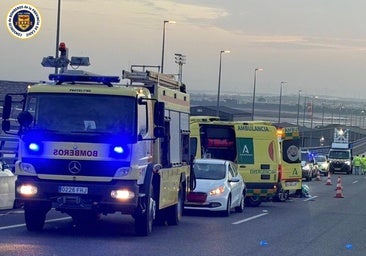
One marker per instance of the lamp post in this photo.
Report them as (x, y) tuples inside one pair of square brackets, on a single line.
[(340, 109), (218, 87), (255, 81), (312, 111), (279, 109), (163, 46), (57, 32), (298, 109), (322, 114), (303, 116)]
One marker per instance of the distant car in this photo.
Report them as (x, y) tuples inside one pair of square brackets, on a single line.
[(307, 165), (321, 162), (219, 187)]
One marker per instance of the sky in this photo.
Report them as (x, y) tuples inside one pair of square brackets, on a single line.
[(316, 46)]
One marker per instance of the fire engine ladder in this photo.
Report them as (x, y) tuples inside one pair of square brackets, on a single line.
[(150, 78)]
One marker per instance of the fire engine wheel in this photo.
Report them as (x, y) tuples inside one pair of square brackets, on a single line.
[(144, 221), (34, 217), (174, 212), (253, 201)]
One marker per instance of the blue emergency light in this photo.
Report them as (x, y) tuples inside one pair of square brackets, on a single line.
[(83, 77), (34, 148)]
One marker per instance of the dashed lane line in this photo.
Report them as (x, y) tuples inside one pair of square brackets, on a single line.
[(250, 218), (310, 198), (23, 225)]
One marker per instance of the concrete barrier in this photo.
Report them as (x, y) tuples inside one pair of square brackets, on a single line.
[(7, 189)]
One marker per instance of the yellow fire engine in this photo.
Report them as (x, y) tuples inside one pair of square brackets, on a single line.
[(89, 146)]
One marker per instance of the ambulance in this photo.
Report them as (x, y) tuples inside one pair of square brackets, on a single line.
[(252, 145), (290, 174)]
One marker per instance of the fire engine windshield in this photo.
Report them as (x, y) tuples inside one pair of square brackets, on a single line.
[(83, 113)]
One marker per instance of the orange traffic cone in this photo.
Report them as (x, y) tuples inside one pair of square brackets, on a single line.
[(339, 193), (329, 181), (318, 176)]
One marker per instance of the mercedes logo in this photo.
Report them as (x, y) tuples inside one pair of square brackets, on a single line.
[(74, 167)]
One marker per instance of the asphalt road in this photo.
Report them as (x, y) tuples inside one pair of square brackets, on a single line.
[(319, 225)]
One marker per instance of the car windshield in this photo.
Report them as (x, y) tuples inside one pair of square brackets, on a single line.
[(339, 154), (209, 171)]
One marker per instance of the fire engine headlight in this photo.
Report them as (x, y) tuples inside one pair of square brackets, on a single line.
[(34, 148), (217, 191), (27, 190), (122, 194), (119, 151)]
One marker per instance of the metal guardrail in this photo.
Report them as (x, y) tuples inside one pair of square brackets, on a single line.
[(358, 148)]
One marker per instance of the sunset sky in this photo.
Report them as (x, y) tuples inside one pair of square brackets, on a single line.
[(316, 46)]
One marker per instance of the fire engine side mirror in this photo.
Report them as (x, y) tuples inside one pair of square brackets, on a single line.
[(7, 107), (159, 113), (5, 125), (25, 118)]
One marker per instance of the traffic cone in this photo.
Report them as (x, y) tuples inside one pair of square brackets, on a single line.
[(318, 176), (339, 193), (329, 181)]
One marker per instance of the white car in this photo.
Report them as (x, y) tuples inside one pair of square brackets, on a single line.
[(219, 187), (322, 164)]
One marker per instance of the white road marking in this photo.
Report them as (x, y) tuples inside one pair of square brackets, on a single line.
[(310, 198), (23, 225), (250, 218), (355, 182)]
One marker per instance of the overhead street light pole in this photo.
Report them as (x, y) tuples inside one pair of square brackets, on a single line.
[(298, 109), (163, 46), (218, 87), (57, 32), (279, 109), (255, 81)]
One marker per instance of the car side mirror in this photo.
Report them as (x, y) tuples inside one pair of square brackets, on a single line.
[(234, 179)]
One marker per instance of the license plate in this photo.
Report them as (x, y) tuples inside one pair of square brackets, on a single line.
[(72, 190)]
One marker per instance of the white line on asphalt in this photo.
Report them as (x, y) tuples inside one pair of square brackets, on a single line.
[(355, 182), (250, 218), (310, 198), (23, 225)]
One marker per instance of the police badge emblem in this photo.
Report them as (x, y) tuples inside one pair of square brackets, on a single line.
[(23, 21)]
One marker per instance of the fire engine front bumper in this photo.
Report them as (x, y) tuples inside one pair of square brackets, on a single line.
[(103, 197)]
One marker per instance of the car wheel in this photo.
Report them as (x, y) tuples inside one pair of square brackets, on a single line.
[(227, 212), (240, 207)]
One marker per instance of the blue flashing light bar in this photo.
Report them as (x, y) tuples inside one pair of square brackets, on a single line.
[(62, 78)]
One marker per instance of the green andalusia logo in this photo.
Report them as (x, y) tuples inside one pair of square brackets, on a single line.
[(23, 21)]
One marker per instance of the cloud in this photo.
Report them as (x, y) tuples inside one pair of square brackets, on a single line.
[(183, 11)]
